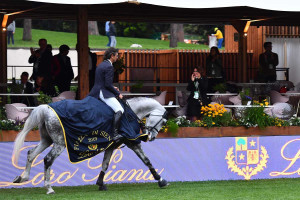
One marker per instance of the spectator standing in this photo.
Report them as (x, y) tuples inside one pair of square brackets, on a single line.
[(112, 34), (107, 32), (27, 89), (198, 98), (92, 68), (268, 62), (49, 47), (11, 29), (219, 36), (45, 59), (35, 59), (214, 69), (61, 69)]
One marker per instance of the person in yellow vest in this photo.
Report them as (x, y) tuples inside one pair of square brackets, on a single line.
[(219, 36)]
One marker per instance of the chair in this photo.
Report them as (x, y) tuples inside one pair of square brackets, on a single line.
[(64, 95), (276, 97), (280, 110), (161, 98), (182, 98), (13, 113), (297, 87)]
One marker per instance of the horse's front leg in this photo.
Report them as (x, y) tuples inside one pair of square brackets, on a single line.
[(105, 164), (137, 148)]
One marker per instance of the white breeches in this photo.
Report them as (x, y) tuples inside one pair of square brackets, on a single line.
[(112, 102)]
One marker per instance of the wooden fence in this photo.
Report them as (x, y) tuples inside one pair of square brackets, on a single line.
[(171, 66), (283, 31)]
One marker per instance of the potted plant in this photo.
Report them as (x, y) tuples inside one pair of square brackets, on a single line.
[(43, 98), (221, 87), (245, 96)]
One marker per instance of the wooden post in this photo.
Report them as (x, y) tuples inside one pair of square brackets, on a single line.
[(242, 57), (82, 45), (3, 58)]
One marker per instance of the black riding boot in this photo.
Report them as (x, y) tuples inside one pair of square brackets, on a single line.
[(116, 125)]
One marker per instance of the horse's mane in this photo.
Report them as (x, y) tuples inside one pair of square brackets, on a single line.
[(145, 100)]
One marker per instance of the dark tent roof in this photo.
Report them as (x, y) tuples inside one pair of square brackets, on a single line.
[(143, 12)]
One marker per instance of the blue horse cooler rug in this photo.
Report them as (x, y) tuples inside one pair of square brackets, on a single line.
[(87, 126)]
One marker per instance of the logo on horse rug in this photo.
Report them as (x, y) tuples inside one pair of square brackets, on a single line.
[(87, 125), (247, 160)]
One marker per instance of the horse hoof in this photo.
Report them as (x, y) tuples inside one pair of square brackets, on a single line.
[(18, 179), (51, 192), (102, 188), (163, 183)]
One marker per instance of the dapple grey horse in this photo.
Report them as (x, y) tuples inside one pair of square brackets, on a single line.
[(51, 133)]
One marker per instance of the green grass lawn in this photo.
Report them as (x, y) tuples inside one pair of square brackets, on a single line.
[(211, 190), (95, 41)]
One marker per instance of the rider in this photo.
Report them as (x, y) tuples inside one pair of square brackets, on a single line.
[(104, 89)]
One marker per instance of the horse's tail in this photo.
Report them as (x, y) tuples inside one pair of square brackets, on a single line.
[(36, 117)]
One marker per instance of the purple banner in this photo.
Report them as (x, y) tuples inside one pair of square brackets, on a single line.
[(182, 159)]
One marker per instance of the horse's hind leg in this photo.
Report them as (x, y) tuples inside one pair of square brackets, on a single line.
[(137, 148), (105, 164), (32, 153), (48, 161)]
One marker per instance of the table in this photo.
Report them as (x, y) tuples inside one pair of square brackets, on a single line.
[(221, 94), (246, 106), (12, 94), (137, 94), (26, 108), (171, 106), (291, 94)]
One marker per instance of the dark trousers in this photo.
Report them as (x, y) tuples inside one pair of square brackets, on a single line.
[(10, 35)]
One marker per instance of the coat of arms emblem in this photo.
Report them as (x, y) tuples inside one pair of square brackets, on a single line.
[(247, 158)]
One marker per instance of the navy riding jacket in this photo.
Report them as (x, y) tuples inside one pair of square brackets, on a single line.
[(104, 81)]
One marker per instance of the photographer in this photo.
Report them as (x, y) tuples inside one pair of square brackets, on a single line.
[(42, 60), (35, 59), (198, 98)]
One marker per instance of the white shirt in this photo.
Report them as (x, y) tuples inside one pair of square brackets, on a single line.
[(110, 62), (107, 26)]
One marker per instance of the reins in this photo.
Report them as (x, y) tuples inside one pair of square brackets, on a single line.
[(142, 124)]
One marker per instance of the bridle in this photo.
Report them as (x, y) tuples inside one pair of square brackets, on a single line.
[(143, 126), (149, 128)]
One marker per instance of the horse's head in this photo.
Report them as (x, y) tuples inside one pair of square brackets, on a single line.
[(154, 122), (153, 111)]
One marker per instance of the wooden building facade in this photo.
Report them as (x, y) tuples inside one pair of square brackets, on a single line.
[(256, 36), (170, 66)]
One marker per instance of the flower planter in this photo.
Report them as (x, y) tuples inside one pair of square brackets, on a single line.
[(187, 132), (190, 132), (10, 135)]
